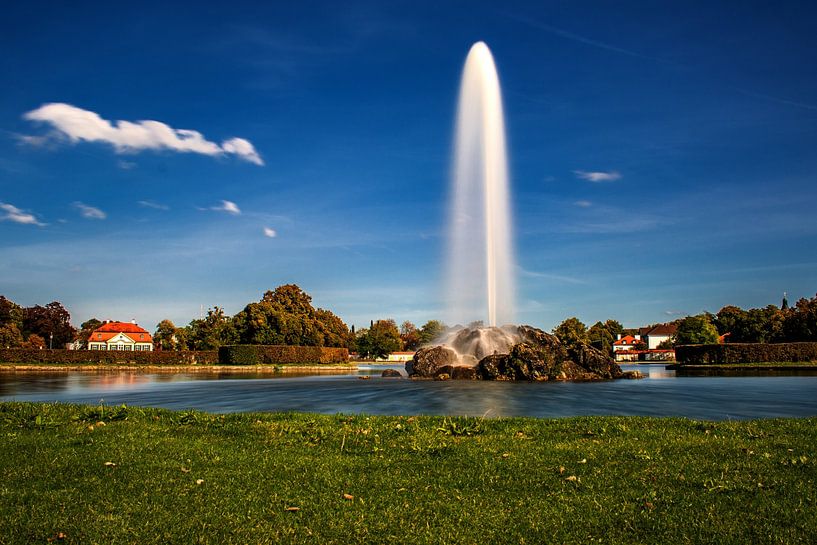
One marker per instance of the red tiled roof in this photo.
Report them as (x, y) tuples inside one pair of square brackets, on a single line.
[(120, 327), (627, 339), (111, 329)]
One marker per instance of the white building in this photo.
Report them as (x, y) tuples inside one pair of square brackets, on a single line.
[(126, 336)]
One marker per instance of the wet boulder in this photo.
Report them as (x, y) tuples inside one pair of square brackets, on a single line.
[(427, 361), (391, 373)]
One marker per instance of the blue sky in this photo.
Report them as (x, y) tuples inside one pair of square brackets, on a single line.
[(662, 155)]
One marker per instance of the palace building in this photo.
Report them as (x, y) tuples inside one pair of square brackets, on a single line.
[(125, 336)]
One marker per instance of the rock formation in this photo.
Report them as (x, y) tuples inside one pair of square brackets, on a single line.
[(512, 353)]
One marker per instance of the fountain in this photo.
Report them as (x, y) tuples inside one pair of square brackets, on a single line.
[(480, 266)]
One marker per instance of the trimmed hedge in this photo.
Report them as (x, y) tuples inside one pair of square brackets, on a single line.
[(709, 354), (255, 354), (100, 357)]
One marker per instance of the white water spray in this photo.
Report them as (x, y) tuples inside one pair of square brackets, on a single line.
[(481, 261)]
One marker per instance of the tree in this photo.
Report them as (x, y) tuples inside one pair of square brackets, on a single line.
[(430, 331), (334, 332), (52, 319), (696, 330), (215, 330), (409, 336), (380, 340), (10, 336), (34, 341), (800, 322), (11, 313), (572, 332), (86, 328), (284, 316), (603, 335), (169, 337)]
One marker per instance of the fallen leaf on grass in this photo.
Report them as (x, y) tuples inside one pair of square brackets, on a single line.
[(561, 470), (292, 509), (584, 461), (185, 470), (199, 481), (100, 423), (348, 497), (59, 536), (572, 479), (506, 455), (110, 464)]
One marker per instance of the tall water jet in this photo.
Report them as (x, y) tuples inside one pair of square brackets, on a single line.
[(481, 262)]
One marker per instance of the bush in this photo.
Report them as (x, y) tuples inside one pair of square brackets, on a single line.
[(100, 357), (256, 354), (703, 354)]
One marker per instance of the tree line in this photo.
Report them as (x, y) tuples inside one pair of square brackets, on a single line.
[(286, 316)]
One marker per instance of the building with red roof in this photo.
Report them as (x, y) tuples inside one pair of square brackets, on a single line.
[(125, 336)]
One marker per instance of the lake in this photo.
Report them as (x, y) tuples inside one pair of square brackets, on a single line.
[(660, 393)]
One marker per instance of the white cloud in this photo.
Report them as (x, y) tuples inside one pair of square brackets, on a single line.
[(12, 213), (583, 204), (597, 176), (127, 136), (90, 212), (126, 165), (271, 233), (227, 206), (154, 205)]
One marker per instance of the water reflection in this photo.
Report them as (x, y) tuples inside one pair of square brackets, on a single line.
[(661, 393)]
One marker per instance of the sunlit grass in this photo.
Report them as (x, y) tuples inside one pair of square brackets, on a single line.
[(133, 475)]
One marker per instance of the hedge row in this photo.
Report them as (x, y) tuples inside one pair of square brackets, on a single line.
[(253, 354), (80, 357), (703, 354)]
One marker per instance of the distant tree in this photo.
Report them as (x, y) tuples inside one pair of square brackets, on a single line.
[(380, 340), (572, 332), (757, 325), (169, 337), (696, 330), (52, 319), (334, 332), (34, 341), (86, 328), (410, 336), (11, 313), (603, 335), (800, 322), (215, 330), (10, 336), (730, 319), (640, 345), (284, 316), (430, 331), (667, 344)]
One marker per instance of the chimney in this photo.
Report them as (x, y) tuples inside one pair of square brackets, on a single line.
[(133, 321), (618, 337), (637, 337)]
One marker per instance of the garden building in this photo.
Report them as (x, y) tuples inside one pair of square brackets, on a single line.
[(125, 336)]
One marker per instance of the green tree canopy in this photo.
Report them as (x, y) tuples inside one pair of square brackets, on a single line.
[(380, 340), (603, 335), (430, 331), (572, 332), (696, 330), (169, 337), (333, 331), (10, 336), (86, 328), (215, 330)]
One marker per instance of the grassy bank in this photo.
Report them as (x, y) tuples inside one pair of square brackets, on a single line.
[(156, 476)]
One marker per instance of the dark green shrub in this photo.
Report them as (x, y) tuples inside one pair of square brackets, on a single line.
[(703, 354), (255, 354)]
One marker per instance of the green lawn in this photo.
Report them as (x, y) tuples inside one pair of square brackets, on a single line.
[(157, 476)]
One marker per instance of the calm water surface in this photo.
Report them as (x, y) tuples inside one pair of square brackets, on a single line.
[(661, 393)]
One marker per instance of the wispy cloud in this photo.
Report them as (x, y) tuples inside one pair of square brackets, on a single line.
[(583, 204), (154, 205), (270, 233), (126, 165), (583, 39), (226, 206), (547, 276), (597, 176), (78, 125), (14, 214), (777, 100), (89, 212)]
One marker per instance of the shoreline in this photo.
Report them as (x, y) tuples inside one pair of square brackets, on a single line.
[(226, 369)]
